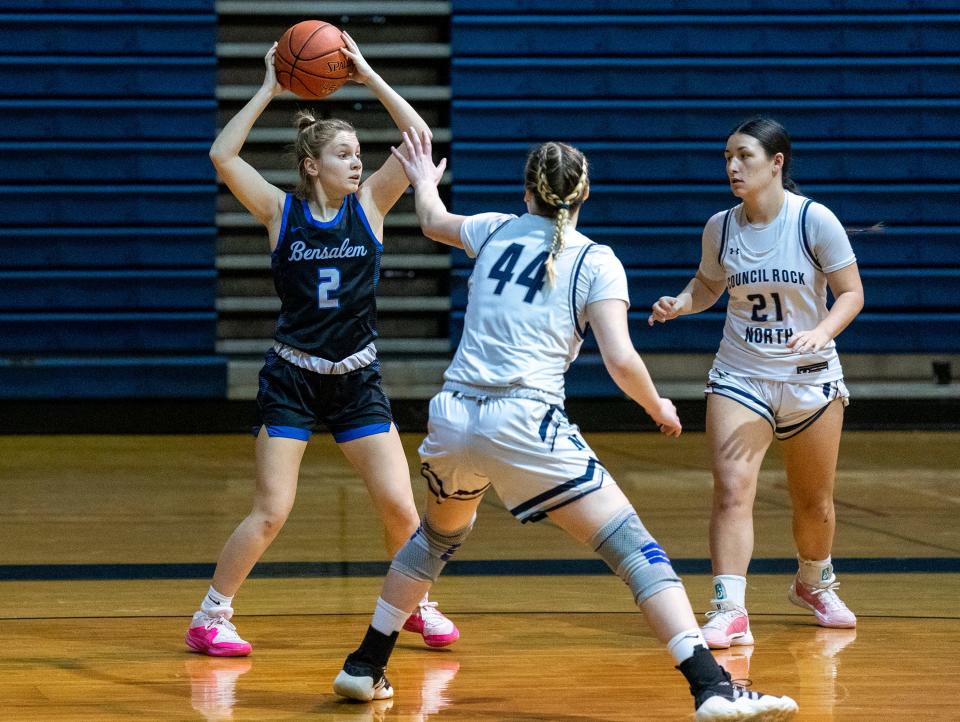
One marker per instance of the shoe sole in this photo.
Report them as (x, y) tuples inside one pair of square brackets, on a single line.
[(743, 639), (357, 689), (213, 651), (800, 602), (785, 711), (438, 642)]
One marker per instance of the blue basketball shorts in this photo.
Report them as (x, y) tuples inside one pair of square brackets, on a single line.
[(293, 402)]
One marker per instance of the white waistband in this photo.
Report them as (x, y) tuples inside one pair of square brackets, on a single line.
[(508, 392), (363, 357)]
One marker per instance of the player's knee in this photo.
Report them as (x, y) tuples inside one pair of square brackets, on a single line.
[(733, 495), (270, 519), (817, 507), (629, 550), (427, 552)]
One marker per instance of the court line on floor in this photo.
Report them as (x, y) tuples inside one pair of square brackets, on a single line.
[(467, 567)]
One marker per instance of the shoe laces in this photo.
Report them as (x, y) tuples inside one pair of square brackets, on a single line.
[(223, 625), (428, 610), (828, 595), (724, 611)]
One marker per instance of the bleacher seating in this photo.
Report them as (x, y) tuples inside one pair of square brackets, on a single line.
[(107, 199), (868, 90)]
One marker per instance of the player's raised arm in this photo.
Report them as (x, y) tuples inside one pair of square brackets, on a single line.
[(263, 199), (416, 159)]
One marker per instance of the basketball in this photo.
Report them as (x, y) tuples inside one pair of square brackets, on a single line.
[(308, 60)]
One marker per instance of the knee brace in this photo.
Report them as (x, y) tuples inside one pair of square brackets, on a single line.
[(427, 552), (634, 556)]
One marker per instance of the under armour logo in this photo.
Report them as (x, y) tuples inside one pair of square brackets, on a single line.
[(734, 251)]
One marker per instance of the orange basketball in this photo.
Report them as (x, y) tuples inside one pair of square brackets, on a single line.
[(308, 60)]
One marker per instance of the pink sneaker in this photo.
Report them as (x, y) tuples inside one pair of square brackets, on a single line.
[(823, 602), (437, 630), (728, 626), (216, 636)]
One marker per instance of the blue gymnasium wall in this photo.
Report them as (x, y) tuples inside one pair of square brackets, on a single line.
[(868, 89), (108, 199)]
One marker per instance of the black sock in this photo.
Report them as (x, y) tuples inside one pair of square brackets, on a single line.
[(705, 675), (375, 648)]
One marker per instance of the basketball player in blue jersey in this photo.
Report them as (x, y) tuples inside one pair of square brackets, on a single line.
[(325, 240), (776, 374), (537, 285)]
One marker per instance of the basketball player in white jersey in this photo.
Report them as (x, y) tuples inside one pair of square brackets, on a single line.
[(776, 374), (499, 420)]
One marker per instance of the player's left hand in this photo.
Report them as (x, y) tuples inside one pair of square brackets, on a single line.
[(808, 341), (417, 158), (360, 69)]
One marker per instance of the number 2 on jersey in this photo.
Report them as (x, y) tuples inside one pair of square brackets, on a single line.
[(328, 283), (530, 277)]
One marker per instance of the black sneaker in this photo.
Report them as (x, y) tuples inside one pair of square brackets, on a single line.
[(362, 681), (717, 697), (730, 701)]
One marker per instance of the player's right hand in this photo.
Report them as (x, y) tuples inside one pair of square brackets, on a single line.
[(665, 416), (270, 77), (665, 309)]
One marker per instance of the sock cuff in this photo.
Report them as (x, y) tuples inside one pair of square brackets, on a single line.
[(215, 602)]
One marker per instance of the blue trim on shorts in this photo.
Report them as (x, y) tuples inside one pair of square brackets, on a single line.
[(520, 509), (788, 432), (287, 432), (745, 395), (361, 431)]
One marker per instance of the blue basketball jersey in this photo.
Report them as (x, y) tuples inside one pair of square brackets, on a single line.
[(326, 275)]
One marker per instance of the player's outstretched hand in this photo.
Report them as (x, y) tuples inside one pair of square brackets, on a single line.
[(416, 157)]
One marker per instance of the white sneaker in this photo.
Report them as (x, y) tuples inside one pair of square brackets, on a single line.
[(432, 624), (727, 626), (824, 602), (216, 636), (746, 705), (362, 681)]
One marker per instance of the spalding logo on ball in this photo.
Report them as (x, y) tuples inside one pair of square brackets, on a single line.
[(308, 59)]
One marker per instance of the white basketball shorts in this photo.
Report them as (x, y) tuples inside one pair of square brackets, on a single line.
[(787, 406), (527, 450)]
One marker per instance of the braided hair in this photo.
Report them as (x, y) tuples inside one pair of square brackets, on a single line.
[(312, 135), (556, 175)]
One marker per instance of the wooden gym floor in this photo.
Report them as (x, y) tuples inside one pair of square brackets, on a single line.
[(107, 544)]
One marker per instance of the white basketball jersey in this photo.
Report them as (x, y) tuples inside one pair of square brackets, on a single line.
[(518, 331), (775, 276)]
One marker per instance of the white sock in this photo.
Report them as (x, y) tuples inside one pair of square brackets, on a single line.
[(387, 619), (683, 644), (730, 588), (214, 602), (816, 573)]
